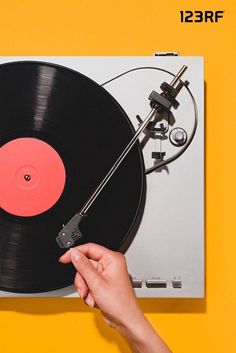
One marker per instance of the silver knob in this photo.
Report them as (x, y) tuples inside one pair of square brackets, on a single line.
[(178, 136)]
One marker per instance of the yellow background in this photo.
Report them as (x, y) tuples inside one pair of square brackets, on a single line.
[(140, 28)]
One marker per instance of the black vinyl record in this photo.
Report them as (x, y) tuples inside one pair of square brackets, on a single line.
[(88, 129)]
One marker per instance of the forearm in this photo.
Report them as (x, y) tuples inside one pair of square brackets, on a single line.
[(102, 280), (142, 337)]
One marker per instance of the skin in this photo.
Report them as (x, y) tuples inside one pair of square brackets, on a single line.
[(102, 281)]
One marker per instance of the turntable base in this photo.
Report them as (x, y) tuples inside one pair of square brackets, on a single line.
[(166, 257)]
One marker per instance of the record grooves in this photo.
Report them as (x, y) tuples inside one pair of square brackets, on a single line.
[(87, 130)]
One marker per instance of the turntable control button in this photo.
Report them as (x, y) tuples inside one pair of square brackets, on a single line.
[(177, 284), (153, 283), (137, 283)]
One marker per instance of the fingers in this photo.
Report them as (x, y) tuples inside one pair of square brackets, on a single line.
[(81, 286), (90, 301), (91, 250), (85, 268), (94, 251), (83, 291), (98, 265)]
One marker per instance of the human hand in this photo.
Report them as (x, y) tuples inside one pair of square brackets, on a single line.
[(102, 280)]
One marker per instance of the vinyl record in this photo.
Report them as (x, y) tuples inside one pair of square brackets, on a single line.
[(60, 133)]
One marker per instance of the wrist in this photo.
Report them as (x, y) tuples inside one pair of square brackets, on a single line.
[(141, 336), (133, 325)]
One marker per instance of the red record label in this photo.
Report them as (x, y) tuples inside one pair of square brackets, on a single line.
[(32, 177)]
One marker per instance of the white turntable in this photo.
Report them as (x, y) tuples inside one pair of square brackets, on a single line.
[(166, 256)]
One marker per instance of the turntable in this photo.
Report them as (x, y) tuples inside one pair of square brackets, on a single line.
[(119, 140)]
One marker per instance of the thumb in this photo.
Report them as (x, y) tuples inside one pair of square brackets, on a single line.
[(85, 268)]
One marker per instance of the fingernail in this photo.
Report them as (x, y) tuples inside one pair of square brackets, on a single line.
[(74, 254), (60, 259), (80, 292), (89, 302)]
